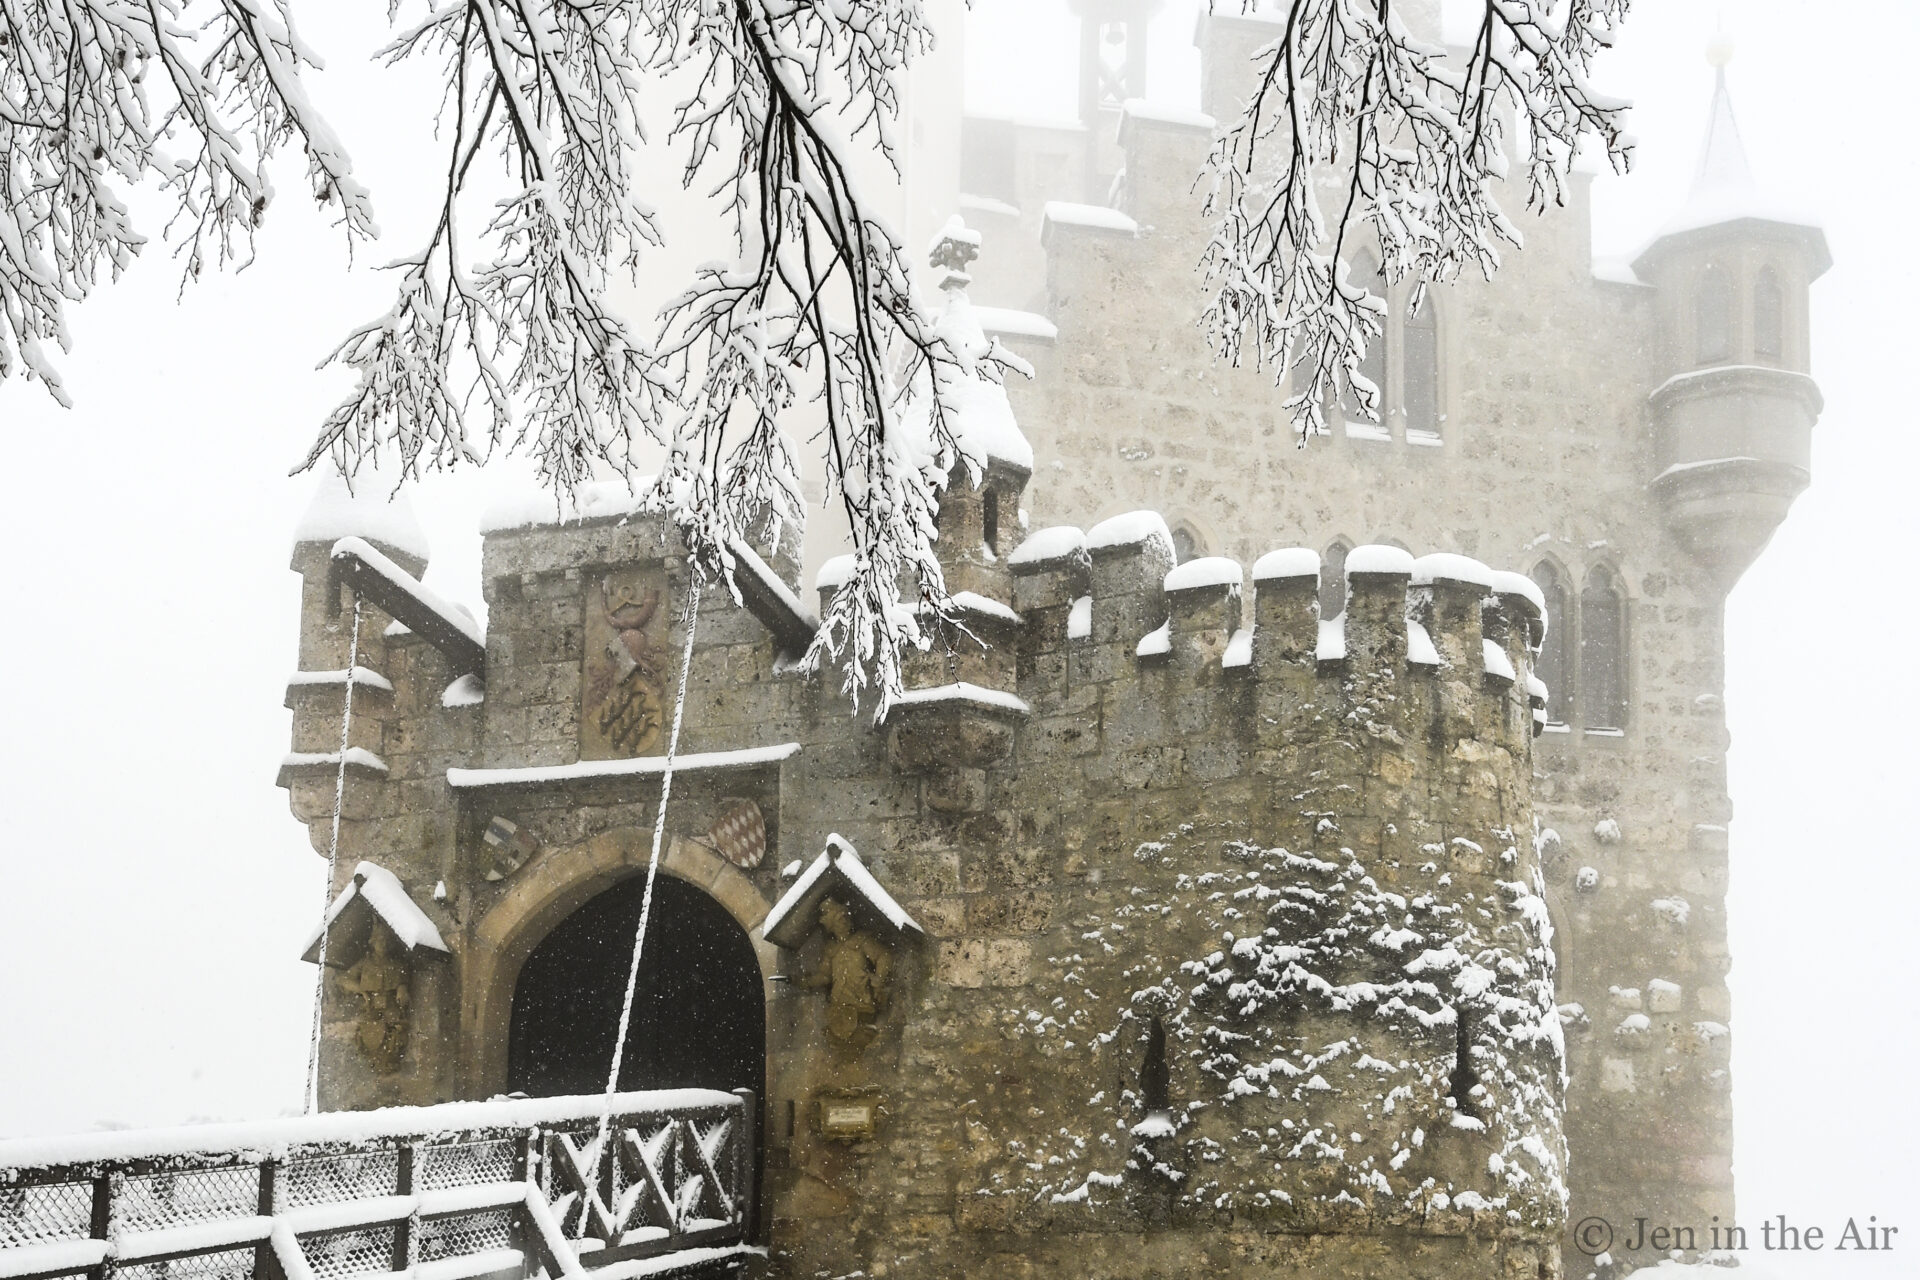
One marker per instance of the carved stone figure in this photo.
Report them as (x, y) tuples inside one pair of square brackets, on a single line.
[(854, 969), (383, 987), (623, 713)]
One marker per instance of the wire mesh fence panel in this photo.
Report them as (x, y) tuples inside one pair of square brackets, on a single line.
[(467, 1234), (228, 1264), (350, 1253), (463, 1164), (37, 1215), (330, 1179), (149, 1202)]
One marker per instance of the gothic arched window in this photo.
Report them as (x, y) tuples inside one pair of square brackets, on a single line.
[(1603, 659), (1420, 370), (1333, 579), (1552, 666), (1769, 317), (1713, 318)]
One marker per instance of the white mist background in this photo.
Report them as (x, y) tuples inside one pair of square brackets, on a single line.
[(154, 888)]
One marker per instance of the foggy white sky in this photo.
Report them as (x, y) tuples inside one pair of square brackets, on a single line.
[(156, 889)]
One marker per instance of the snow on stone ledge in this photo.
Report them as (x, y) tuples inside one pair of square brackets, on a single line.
[(1060, 542), (1091, 217), (381, 890), (363, 677), (1287, 562), (791, 919), (1448, 567), (1239, 650), (1332, 643), (1206, 571), (1378, 558), (1128, 530), (1157, 643), (467, 691), (636, 767), (960, 692), (1494, 660), (357, 758), (986, 204), (338, 512), (1080, 618), (270, 1137), (1420, 648), (1008, 323)]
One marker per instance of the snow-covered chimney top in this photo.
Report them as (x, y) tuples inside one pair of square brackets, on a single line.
[(362, 510)]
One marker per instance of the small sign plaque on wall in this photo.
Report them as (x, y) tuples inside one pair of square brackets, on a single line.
[(847, 1117)]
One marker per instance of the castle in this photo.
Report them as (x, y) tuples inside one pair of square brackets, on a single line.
[(1237, 906)]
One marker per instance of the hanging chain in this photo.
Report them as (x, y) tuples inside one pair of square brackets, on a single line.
[(653, 864), (333, 860)]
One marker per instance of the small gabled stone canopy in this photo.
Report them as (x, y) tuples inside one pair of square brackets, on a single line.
[(839, 872), (374, 893)]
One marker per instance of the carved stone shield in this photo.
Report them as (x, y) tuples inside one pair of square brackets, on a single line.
[(623, 686), (739, 833)]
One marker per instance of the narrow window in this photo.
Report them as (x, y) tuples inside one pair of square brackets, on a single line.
[(1186, 543), (1333, 580), (1420, 372), (1603, 674), (1552, 666), (990, 521), (1769, 317), (1464, 1081), (1155, 1095), (1713, 318)]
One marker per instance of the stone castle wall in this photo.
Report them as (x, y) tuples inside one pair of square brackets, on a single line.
[(1308, 854)]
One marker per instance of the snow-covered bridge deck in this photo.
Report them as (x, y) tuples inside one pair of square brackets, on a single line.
[(509, 1188)]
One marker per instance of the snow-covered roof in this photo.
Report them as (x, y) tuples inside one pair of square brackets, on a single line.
[(837, 867), (523, 506), (382, 891), (339, 510)]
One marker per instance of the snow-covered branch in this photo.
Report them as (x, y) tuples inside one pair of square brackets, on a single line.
[(1359, 131), (100, 95)]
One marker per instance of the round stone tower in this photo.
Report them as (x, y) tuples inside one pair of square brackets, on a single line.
[(1733, 423)]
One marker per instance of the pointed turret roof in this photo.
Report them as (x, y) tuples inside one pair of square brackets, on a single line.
[(1724, 191), (978, 411)]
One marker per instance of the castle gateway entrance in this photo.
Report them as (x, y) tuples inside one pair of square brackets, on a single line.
[(699, 1014)]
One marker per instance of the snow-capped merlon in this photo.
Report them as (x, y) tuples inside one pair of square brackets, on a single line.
[(1378, 558), (1445, 566), (1085, 217), (1129, 530), (526, 506), (381, 890), (1058, 542), (1206, 571), (1508, 583), (837, 867), (338, 511), (442, 624), (975, 603), (1287, 562), (632, 767)]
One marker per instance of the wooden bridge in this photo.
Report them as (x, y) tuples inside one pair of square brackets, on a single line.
[(508, 1189)]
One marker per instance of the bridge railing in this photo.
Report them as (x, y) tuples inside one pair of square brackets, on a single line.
[(511, 1188)]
